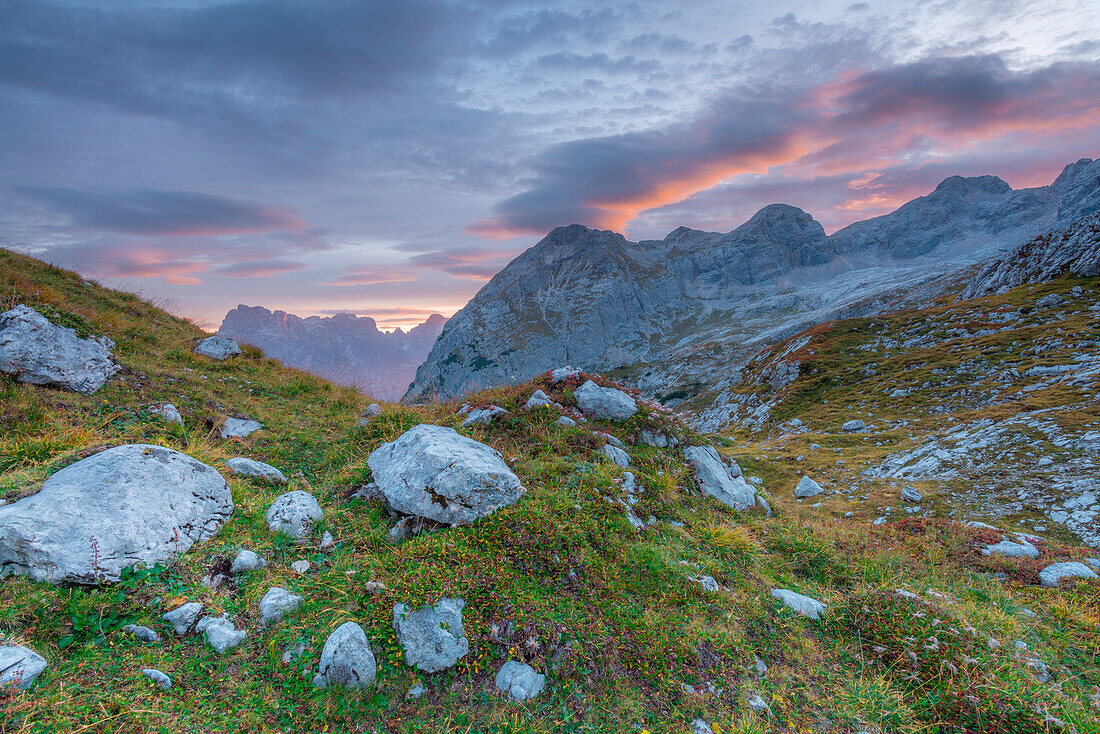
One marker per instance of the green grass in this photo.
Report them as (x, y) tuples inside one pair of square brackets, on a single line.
[(559, 579)]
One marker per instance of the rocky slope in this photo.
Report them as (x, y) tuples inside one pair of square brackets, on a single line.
[(677, 317), (347, 349), (591, 573)]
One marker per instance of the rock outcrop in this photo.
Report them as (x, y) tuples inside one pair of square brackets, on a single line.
[(124, 506), (35, 351), (437, 473)]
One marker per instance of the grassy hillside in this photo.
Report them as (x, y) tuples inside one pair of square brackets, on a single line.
[(629, 642)]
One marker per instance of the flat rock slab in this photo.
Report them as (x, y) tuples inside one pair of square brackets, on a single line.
[(19, 666), (127, 505), (437, 473), (605, 403), (346, 659), (255, 470), (294, 513), (1053, 574), (432, 636), (805, 605), (218, 347), (239, 427), (519, 680), (715, 478), (35, 351)]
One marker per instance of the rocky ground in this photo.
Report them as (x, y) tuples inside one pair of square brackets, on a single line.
[(207, 540)]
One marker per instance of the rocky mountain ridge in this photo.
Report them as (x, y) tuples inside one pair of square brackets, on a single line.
[(678, 317), (344, 348)]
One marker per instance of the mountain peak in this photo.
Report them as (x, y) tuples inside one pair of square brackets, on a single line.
[(974, 184)]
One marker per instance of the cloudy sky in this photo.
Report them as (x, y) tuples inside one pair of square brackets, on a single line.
[(387, 157)]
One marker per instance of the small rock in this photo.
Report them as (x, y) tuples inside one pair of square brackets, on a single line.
[(255, 469), (169, 414), (415, 692), (698, 726), (1052, 575), (19, 666), (140, 632), (346, 659), (218, 347), (605, 402), (566, 421), (276, 604), (432, 636), (327, 541), (371, 412), (539, 399), (246, 560), (1049, 301), (294, 652), (561, 374), (239, 427), (804, 605), (294, 514), (158, 677), (300, 566), (758, 705), (616, 455), (760, 665), (909, 494), (220, 633), (853, 425), (183, 617), (715, 478), (807, 487), (520, 681), (483, 416), (1011, 550)]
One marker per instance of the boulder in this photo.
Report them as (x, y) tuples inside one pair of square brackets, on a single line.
[(566, 422), (346, 659), (437, 473), (715, 478), (35, 351), (276, 604), (247, 560), (161, 679), (1049, 301), (561, 374), (218, 347), (616, 455), (605, 403), (483, 416), (909, 494), (169, 414), (19, 666), (255, 469), (294, 513), (804, 605), (853, 425), (239, 427), (1012, 550), (184, 617), (220, 633), (539, 399), (519, 680), (807, 487), (124, 506), (432, 636), (1053, 574)]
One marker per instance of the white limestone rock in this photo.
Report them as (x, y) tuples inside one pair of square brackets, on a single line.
[(184, 617), (124, 506), (247, 560), (294, 514), (561, 374), (431, 636), (519, 680), (909, 494), (715, 478), (371, 412), (483, 416), (1010, 549), (605, 403), (804, 605), (37, 352), (437, 473), (255, 470), (141, 632), (220, 633), (239, 427), (169, 414), (346, 659), (617, 455), (807, 487), (161, 679), (218, 347), (853, 426), (539, 399), (276, 604), (1053, 574), (566, 422), (19, 666)]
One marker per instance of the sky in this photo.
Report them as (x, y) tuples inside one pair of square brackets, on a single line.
[(386, 158)]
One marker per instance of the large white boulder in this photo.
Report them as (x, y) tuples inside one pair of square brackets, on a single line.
[(346, 659), (294, 513), (437, 473), (36, 351), (605, 402), (715, 478), (130, 504), (19, 666), (218, 347), (432, 636)]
